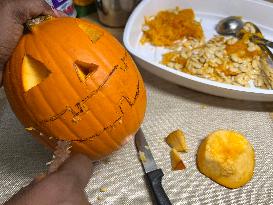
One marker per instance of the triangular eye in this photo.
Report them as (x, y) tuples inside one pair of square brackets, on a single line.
[(85, 70), (33, 72), (93, 34)]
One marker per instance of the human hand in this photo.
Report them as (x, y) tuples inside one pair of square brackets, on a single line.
[(63, 187), (13, 14)]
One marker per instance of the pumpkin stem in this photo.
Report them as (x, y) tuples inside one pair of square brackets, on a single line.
[(30, 24)]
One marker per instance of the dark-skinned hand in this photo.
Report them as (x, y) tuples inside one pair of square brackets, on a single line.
[(14, 13), (63, 187)]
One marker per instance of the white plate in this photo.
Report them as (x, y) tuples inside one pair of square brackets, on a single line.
[(209, 12)]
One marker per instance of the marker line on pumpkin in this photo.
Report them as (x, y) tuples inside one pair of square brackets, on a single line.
[(130, 103), (88, 97)]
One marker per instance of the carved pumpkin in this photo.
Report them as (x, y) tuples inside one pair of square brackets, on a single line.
[(71, 80)]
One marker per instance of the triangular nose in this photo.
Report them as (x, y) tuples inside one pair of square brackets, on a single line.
[(85, 70)]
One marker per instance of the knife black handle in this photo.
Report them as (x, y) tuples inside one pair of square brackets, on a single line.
[(155, 178)]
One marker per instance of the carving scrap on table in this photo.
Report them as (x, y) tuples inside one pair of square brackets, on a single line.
[(271, 115)]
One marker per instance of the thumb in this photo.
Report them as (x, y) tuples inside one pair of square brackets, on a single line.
[(77, 169), (63, 185)]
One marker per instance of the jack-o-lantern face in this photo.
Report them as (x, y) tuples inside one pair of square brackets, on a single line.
[(71, 80)]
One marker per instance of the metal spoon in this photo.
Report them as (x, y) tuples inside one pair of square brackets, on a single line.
[(232, 25), (268, 52)]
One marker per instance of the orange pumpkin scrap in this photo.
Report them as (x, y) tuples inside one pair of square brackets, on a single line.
[(71, 80), (177, 163), (177, 140)]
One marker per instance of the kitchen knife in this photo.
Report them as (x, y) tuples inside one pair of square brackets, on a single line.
[(153, 175)]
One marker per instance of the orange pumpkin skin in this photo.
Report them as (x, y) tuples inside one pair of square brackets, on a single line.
[(97, 111)]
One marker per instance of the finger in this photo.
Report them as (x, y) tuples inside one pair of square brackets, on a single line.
[(39, 7), (63, 169), (24, 10), (77, 169)]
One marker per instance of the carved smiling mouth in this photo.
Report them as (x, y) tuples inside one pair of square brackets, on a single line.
[(118, 120)]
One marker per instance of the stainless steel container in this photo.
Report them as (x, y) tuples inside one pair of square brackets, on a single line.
[(114, 13)]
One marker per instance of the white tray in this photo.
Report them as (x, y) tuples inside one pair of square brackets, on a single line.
[(209, 12)]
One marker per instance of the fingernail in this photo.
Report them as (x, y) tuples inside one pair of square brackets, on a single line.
[(38, 178)]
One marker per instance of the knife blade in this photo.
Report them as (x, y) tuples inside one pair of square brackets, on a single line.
[(153, 175)]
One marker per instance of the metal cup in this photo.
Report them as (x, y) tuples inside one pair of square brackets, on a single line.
[(114, 13)]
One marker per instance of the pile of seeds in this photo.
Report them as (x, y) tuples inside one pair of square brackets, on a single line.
[(226, 60)]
